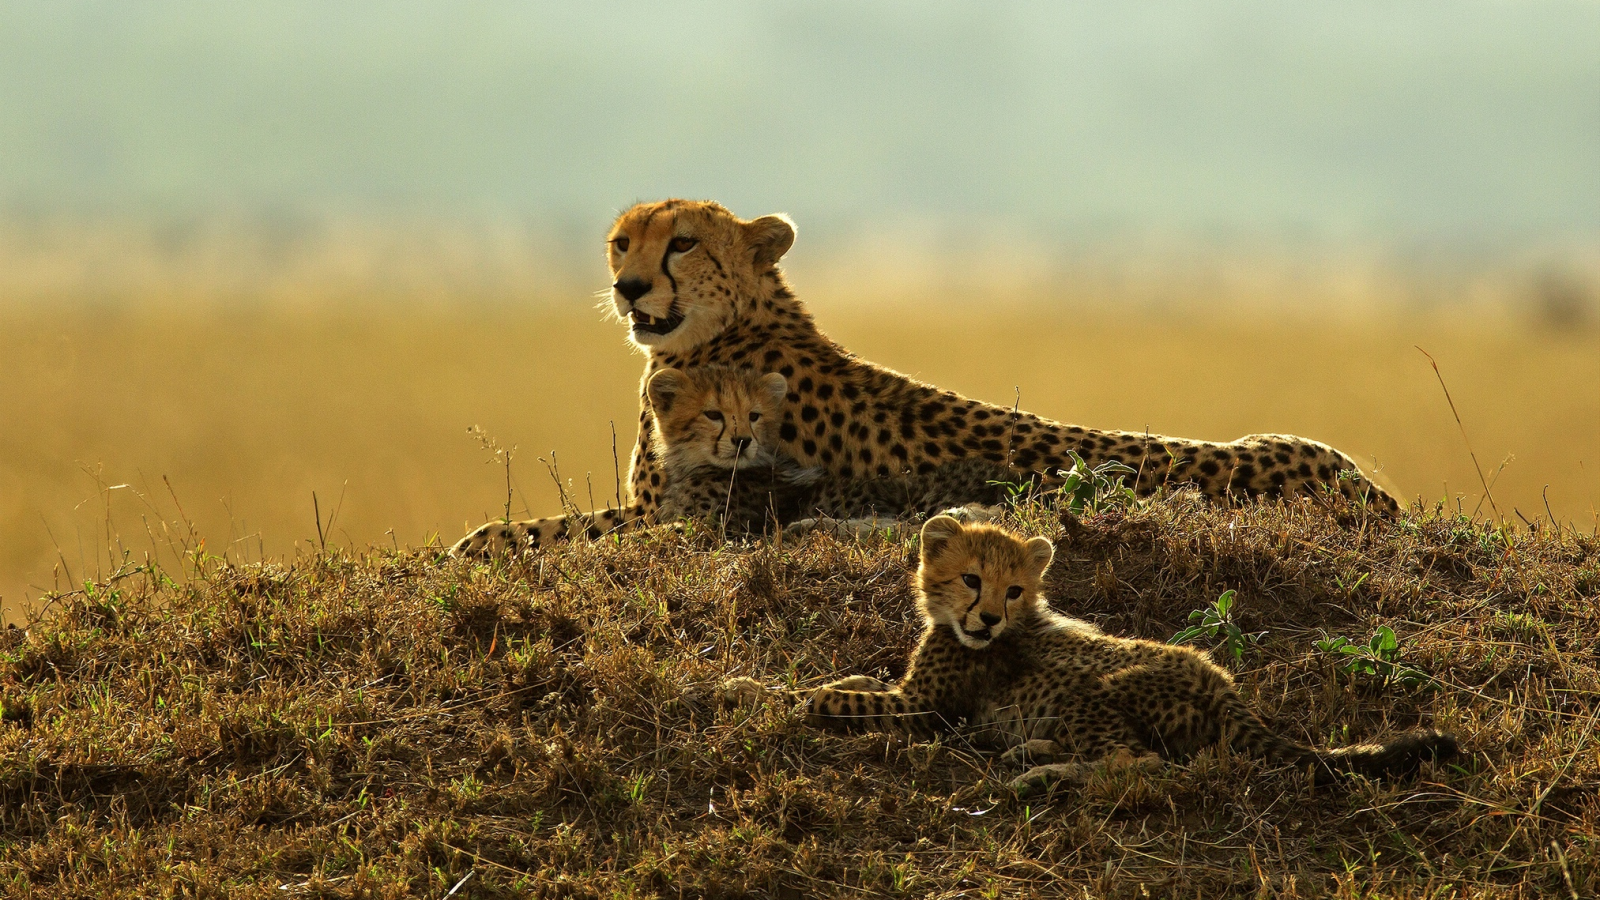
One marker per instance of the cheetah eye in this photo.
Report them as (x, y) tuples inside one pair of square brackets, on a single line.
[(755, 417), (1013, 592), (714, 415), (972, 581), (621, 243), (683, 244)]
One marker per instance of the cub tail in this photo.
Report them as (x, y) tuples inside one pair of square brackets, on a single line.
[(1396, 758), (1399, 757)]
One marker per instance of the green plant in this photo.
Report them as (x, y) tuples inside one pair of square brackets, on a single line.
[(1378, 658), (1215, 623), (1086, 487)]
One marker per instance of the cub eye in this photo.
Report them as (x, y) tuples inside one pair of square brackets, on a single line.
[(621, 243), (755, 417), (972, 581), (714, 415), (1013, 592), (682, 244)]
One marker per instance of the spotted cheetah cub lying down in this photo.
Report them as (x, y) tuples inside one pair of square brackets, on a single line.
[(718, 443), (996, 658)]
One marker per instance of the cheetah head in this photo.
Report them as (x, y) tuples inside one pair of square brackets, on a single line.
[(716, 416), (682, 269), (978, 579)]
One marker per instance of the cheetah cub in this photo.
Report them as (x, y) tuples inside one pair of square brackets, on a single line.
[(718, 440), (996, 658)]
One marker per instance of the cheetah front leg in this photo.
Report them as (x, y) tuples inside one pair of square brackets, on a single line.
[(893, 528), (1040, 779), (511, 538), (746, 691), (1089, 740), (892, 711), (857, 703), (857, 529)]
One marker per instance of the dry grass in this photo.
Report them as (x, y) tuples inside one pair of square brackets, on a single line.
[(391, 723), (241, 415)]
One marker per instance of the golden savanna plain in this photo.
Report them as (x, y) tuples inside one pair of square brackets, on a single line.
[(140, 419)]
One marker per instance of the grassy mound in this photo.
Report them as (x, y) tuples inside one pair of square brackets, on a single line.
[(396, 724)]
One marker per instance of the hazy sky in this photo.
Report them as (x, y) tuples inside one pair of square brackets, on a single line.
[(1429, 119)]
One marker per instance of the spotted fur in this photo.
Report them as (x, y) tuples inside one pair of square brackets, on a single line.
[(717, 439), (698, 286), (996, 659)]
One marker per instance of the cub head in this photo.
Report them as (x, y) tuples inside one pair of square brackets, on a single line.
[(716, 416), (681, 270), (978, 579)]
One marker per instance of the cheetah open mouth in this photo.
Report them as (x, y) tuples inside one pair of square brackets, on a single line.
[(982, 634), (644, 322)]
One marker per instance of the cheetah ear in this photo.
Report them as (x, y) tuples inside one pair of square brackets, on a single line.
[(665, 385), (769, 237), (936, 533), (1041, 551), (775, 386)]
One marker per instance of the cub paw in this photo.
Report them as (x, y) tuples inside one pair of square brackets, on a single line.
[(857, 529), (1041, 779), (742, 691), (1031, 752), (972, 513), (861, 683)]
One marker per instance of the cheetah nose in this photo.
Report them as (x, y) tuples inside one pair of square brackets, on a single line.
[(740, 443), (989, 618), (632, 288)]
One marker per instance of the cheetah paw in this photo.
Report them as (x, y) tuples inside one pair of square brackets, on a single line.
[(742, 691), (861, 683), (1041, 779), (972, 513), (859, 529), (1031, 752)]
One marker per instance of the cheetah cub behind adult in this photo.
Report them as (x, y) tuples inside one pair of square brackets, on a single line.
[(719, 446), (997, 659)]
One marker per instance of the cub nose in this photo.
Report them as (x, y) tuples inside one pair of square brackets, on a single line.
[(989, 618), (632, 288), (740, 443)]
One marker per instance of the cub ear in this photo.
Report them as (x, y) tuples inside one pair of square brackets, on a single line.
[(936, 532), (1041, 551), (775, 386), (769, 237), (665, 385)]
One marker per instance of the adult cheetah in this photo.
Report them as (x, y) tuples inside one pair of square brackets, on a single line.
[(698, 286), (717, 441), (995, 658)]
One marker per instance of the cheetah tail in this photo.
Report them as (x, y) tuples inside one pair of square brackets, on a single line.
[(1399, 757)]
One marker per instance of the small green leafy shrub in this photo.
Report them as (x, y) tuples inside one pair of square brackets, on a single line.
[(1216, 625), (1378, 658), (1092, 488)]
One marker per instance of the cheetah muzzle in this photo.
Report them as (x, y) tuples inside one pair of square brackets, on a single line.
[(648, 324)]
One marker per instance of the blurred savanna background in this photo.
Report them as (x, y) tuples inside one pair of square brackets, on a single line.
[(262, 266)]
